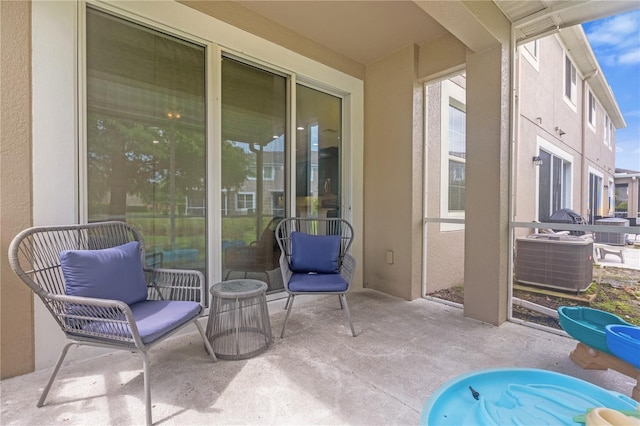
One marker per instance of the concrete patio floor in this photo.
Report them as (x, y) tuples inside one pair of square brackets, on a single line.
[(317, 374)]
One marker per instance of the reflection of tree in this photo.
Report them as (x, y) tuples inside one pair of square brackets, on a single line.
[(235, 166), (125, 157)]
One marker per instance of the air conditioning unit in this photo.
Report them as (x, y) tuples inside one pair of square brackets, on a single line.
[(563, 262), (611, 238)]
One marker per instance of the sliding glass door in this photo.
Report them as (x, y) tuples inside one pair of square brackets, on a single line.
[(146, 145), (254, 137), (318, 153), (147, 148)]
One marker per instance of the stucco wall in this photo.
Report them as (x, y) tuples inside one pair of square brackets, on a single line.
[(541, 109), (389, 177), (487, 211), (16, 309)]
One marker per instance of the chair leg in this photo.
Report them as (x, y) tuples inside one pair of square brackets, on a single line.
[(286, 305), (340, 299), (207, 343), (147, 387), (286, 318), (343, 299), (63, 354)]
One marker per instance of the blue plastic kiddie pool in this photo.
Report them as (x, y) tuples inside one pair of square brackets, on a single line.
[(624, 342), (517, 396)]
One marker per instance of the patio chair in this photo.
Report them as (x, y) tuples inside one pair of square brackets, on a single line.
[(93, 281), (314, 259), (260, 256)]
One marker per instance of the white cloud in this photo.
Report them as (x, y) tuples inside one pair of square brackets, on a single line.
[(617, 39), (630, 57), (632, 113), (616, 30)]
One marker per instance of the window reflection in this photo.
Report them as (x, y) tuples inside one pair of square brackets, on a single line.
[(318, 153), (146, 137)]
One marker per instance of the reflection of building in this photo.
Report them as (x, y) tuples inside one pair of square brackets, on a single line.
[(317, 181), (244, 200)]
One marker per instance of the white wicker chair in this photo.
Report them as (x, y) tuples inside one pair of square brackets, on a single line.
[(34, 255), (337, 283)]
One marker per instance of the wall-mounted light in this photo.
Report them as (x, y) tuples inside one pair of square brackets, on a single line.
[(537, 160), (560, 131)]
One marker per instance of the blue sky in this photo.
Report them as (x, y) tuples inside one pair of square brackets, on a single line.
[(616, 43)]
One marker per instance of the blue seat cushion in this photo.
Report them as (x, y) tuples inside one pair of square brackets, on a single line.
[(154, 319), (301, 282), (314, 253), (112, 273)]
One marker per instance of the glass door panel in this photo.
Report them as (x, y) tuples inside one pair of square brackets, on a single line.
[(254, 111), (318, 153), (146, 132)]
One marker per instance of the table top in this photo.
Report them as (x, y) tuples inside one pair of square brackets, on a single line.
[(238, 288)]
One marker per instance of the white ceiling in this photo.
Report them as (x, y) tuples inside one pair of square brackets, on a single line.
[(361, 30), (368, 30)]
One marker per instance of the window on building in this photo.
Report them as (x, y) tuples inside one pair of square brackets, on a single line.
[(611, 197), (446, 136), (457, 156), (268, 172), (532, 47), (595, 197), (622, 199), (592, 110), (570, 81), (245, 201), (608, 128), (531, 52), (554, 185)]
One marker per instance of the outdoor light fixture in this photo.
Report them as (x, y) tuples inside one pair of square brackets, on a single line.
[(537, 160)]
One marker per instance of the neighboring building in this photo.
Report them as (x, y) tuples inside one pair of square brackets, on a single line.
[(566, 120), (627, 195)]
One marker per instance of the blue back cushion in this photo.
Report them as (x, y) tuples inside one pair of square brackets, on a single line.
[(113, 273), (314, 253)]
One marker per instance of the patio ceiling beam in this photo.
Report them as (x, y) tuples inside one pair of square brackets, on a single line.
[(460, 21)]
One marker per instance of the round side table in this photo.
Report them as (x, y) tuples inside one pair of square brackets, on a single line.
[(238, 325)]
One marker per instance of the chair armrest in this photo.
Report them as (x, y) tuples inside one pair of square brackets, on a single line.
[(348, 267), (108, 319), (285, 270), (176, 284)]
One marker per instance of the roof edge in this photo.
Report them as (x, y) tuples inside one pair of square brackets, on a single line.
[(576, 41)]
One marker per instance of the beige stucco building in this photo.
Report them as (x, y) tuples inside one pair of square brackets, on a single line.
[(627, 184), (376, 56), (566, 114)]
